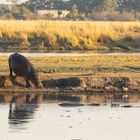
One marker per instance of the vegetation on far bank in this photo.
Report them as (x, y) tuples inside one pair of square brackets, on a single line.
[(114, 10), (91, 66), (69, 35)]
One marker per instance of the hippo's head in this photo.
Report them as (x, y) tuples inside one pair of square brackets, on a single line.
[(36, 81)]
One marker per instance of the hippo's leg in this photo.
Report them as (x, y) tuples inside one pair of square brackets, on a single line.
[(12, 77), (27, 83), (11, 74)]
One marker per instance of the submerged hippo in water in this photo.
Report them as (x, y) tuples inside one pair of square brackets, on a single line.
[(21, 66)]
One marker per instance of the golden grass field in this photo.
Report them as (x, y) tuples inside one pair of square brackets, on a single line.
[(97, 66), (74, 35)]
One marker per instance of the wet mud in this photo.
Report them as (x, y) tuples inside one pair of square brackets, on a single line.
[(78, 84)]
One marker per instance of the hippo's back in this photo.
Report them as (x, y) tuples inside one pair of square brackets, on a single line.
[(19, 64)]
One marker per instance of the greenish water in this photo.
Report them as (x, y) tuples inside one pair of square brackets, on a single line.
[(99, 117)]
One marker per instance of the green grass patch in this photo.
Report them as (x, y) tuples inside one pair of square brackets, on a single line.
[(94, 66)]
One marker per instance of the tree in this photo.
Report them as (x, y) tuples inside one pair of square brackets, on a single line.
[(4, 9), (59, 13), (74, 12), (109, 5), (14, 1), (20, 11), (135, 6), (34, 5), (129, 6), (85, 7)]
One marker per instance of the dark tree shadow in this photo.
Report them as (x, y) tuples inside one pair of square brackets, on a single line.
[(62, 83)]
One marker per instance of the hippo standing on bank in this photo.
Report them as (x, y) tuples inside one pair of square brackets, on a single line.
[(21, 66)]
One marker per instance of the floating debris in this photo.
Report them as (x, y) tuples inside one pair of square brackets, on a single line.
[(70, 104), (115, 105), (89, 118), (127, 106), (94, 104), (67, 111), (80, 111)]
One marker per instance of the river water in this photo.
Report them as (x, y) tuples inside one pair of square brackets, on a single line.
[(69, 117), (70, 54)]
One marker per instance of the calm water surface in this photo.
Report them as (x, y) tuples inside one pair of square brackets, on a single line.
[(38, 117)]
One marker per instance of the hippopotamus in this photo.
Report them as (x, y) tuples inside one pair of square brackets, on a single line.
[(22, 67)]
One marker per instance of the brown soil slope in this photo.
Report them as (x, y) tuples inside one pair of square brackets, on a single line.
[(102, 84)]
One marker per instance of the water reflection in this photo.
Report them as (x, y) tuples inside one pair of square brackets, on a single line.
[(21, 109), (30, 113), (30, 99), (96, 98)]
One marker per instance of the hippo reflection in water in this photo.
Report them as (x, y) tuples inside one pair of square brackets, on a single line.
[(21, 66), (22, 108)]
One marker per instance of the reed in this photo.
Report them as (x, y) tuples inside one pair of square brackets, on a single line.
[(74, 35)]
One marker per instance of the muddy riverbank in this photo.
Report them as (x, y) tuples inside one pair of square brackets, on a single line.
[(76, 84)]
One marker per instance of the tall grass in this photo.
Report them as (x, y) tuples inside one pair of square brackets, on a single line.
[(67, 34)]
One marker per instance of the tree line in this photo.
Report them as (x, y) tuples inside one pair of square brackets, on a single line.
[(79, 9)]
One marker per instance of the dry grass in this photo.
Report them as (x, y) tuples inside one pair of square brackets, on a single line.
[(97, 66), (68, 34)]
